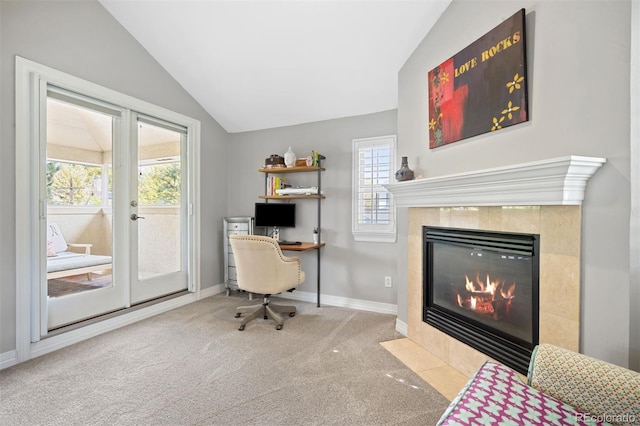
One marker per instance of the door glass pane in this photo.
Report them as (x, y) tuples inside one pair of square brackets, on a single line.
[(79, 228), (159, 201)]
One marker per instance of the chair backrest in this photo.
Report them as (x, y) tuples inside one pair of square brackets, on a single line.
[(54, 234), (261, 267)]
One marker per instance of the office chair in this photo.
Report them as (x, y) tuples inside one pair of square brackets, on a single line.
[(262, 268)]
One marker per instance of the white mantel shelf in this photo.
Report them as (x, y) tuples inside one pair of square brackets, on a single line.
[(557, 181)]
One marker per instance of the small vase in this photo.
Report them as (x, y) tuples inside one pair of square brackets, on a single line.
[(404, 172), (289, 158)]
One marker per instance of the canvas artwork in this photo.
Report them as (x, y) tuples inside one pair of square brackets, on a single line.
[(481, 89)]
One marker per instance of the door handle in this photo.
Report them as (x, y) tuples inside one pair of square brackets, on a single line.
[(136, 217)]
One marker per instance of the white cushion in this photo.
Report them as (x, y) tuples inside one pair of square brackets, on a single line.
[(69, 260), (54, 234)]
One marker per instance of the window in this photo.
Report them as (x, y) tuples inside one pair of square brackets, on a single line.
[(373, 208), (73, 184), (159, 184), (78, 148)]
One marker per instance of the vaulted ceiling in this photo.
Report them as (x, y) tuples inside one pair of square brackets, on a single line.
[(262, 64)]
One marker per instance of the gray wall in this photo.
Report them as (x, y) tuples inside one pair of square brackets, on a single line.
[(83, 39), (579, 56), (349, 269)]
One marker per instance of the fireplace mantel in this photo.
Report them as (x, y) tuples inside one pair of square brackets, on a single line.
[(556, 181)]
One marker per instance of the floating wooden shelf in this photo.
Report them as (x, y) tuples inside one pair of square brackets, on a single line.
[(304, 246), (291, 197), (296, 169)]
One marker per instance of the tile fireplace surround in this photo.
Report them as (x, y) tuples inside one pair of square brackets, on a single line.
[(542, 198)]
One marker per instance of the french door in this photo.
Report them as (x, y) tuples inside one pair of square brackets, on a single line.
[(116, 181), (158, 210), (80, 140), (98, 146)]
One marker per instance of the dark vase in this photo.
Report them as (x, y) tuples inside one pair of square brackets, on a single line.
[(404, 172)]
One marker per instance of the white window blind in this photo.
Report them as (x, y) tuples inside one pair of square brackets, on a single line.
[(373, 208)]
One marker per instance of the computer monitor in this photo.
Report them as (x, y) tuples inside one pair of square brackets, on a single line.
[(277, 215)]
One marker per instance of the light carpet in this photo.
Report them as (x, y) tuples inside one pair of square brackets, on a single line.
[(191, 366)]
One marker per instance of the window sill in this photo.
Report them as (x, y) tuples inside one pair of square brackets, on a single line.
[(71, 210), (374, 237)]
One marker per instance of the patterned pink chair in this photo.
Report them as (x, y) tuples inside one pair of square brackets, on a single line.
[(563, 388)]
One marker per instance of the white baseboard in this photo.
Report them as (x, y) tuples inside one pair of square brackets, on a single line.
[(212, 291), (8, 359), (343, 302), (402, 327)]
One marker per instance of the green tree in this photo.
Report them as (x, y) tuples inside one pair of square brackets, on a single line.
[(52, 168), (159, 185), (72, 185)]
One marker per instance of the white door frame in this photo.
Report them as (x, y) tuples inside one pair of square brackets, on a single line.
[(31, 77)]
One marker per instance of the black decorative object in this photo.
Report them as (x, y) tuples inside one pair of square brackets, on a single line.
[(404, 172)]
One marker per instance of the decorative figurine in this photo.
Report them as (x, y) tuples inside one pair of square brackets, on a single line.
[(289, 158)]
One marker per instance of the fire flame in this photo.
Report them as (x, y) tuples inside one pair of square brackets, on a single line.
[(490, 287), (487, 296)]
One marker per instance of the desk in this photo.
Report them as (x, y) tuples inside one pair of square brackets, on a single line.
[(304, 246)]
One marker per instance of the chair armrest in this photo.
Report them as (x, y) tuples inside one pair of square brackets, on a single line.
[(291, 272), (86, 247), (591, 385)]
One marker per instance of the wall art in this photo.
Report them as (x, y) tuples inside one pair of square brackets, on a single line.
[(481, 89)]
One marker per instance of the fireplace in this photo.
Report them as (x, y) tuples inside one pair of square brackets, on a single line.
[(540, 197), (482, 288)]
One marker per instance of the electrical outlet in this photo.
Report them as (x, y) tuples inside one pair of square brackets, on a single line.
[(387, 281)]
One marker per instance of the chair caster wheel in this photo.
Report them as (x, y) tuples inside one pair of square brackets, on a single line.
[(238, 315), (241, 328), (292, 314), (278, 327)]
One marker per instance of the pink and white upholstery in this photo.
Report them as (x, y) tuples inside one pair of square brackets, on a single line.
[(564, 388)]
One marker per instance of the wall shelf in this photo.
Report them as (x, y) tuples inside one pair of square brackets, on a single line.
[(305, 246), (291, 197), (296, 169)]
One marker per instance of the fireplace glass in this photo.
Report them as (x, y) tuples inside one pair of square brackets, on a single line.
[(482, 288)]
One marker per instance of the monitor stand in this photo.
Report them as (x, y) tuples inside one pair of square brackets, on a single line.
[(276, 233)]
